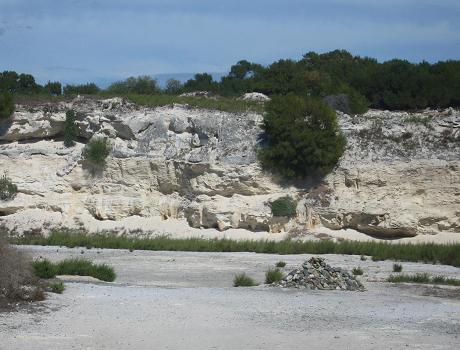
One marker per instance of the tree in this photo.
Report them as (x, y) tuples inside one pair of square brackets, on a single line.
[(201, 82), (82, 89), (173, 86), (6, 105), (302, 137), (142, 85), (54, 88)]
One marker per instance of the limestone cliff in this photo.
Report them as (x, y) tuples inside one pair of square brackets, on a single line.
[(177, 165)]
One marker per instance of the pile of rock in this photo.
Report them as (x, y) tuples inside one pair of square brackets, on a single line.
[(316, 274)]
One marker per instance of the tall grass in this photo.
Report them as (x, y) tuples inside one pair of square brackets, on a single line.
[(448, 254), (79, 267), (243, 280)]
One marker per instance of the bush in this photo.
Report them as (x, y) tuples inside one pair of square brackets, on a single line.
[(424, 278), (17, 281), (363, 258), (284, 206), (6, 105), (83, 89), (357, 271), (80, 267), (70, 131), (302, 137), (96, 151), (273, 276), (8, 189), (242, 280), (143, 85), (397, 267), (280, 264)]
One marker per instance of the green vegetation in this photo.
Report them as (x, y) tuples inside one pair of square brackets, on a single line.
[(6, 105), (83, 89), (395, 84), (299, 146), (57, 287), (273, 276), (280, 264), (243, 280), (357, 271), (362, 258), (80, 267), (143, 85), (284, 206), (447, 254), (70, 130), (397, 267), (8, 189), (97, 150), (423, 278)]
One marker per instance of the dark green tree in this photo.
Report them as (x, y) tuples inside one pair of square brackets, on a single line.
[(54, 88), (142, 85), (6, 105), (302, 137)]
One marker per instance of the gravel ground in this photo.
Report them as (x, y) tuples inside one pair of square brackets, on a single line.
[(185, 300)]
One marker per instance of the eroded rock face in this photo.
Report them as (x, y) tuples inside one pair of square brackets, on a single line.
[(399, 177)]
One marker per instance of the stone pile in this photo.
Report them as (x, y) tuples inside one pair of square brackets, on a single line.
[(316, 274)]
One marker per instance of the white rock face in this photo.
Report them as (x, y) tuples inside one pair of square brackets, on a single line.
[(197, 169), (255, 96)]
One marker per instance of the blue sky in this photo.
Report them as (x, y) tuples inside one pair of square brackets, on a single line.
[(103, 40)]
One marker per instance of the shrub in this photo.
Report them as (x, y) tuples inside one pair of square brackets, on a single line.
[(357, 271), (143, 85), (7, 188), (96, 151), (397, 267), (302, 137), (17, 281), (6, 105), (70, 131), (242, 280), (273, 275), (57, 288), (424, 278), (363, 258), (83, 89), (284, 206), (80, 267), (54, 88), (280, 264)]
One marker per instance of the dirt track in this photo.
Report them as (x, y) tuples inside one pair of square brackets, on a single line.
[(177, 300)]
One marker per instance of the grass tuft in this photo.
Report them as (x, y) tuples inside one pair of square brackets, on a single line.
[(447, 254), (273, 276), (280, 264), (423, 278), (79, 267), (243, 280), (57, 288), (357, 271), (363, 258), (397, 267)]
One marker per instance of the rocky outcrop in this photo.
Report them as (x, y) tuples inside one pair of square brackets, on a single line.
[(399, 177)]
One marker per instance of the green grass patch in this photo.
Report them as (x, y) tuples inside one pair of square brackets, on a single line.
[(423, 278), (273, 275), (243, 280), (447, 254), (57, 288), (357, 271), (219, 103), (79, 267)]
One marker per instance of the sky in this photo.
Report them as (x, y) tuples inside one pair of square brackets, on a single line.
[(79, 41)]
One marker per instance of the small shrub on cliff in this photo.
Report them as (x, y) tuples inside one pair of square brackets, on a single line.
[(70, 131), (6, 105), (96, 151), (7, 188), (243, 280), (281, 264), (302, 137), (357, 271), (397, 267), (284, 206)]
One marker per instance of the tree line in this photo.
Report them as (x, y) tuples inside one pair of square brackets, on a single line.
[(395, 84)]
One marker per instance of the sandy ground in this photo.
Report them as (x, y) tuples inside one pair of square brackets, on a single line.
[(184, 300)]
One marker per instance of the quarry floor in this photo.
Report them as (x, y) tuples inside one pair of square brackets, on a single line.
[(185, 300)]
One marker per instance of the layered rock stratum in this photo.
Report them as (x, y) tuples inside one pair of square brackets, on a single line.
[(177, 168)]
